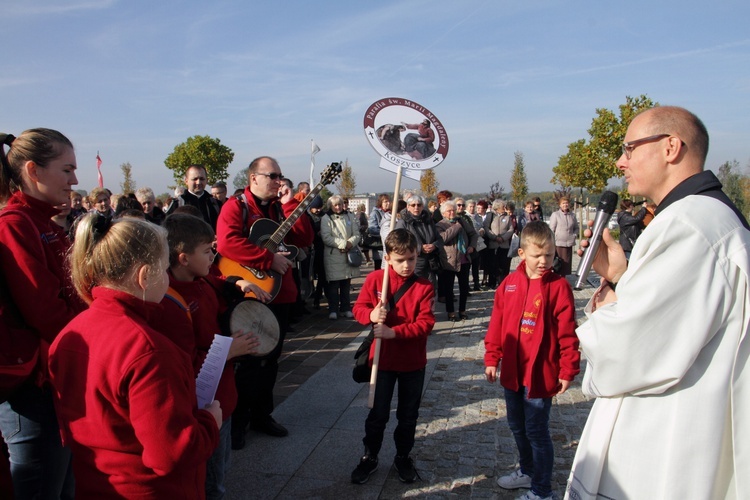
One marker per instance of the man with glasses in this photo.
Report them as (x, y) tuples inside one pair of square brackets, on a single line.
[(265, 197), (666, 337)]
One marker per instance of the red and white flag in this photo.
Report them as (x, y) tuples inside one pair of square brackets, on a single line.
[(99, 170)]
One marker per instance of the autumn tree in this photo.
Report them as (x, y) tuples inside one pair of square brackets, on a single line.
[(428, 183), (590, 164), (200, 150), (496, 192), (346, 182), (518, 182), (128, 184)]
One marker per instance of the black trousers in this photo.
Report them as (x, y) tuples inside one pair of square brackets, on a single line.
[(409, 398), (255, 378)]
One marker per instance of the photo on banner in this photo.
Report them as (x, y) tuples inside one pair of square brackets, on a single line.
[(406, 135)]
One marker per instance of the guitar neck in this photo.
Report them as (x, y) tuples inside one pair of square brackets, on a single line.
[(278, 236)]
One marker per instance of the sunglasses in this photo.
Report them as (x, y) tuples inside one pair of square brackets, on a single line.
[(273, 175)]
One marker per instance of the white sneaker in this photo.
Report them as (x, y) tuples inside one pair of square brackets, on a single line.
[(530, 495), (348, 314), (514, 480), (333, 316)]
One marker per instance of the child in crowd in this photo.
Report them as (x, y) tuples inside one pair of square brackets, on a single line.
[(532, 330), (124, 393), (403, 331), (192, 307)]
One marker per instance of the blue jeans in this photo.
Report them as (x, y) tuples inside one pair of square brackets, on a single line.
[(409, 397), (218, 464), (39, 464), (528, 419)]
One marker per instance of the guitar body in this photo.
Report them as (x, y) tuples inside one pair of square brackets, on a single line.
[(268, 280), (268, 234)]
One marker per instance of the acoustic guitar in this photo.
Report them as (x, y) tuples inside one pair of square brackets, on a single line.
[(270, 235)]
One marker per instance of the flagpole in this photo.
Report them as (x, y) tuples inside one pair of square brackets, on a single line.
[(99, 170), (313, 150)]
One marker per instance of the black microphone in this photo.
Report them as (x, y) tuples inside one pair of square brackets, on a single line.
[(604, 212)]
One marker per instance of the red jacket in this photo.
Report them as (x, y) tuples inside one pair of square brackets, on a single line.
[(126, 403), (35, 287), (232, 240), (412, 320), (555, 355), (194, 335)]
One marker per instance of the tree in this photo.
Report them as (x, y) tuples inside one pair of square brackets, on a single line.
[(200, 150), (496, 192), (518, 183), (128, 184), (428, 183), (240, 180), (589, 165), (732, 183), (346, 182)]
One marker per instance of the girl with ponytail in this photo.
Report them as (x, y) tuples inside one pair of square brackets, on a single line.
[(37, 172), (124, 393)]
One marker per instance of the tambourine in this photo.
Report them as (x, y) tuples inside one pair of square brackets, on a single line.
[(253, 316)]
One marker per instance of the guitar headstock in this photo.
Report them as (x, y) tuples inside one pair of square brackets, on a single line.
[(330, 173)]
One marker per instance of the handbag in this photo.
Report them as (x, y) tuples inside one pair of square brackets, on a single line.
[(362, 370), (514, 243), (433, 262), (354, 257), (373, 242)]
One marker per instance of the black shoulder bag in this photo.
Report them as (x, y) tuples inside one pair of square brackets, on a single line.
[(362, 370)]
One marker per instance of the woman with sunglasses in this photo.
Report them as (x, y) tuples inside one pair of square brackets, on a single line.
[(418, 221)]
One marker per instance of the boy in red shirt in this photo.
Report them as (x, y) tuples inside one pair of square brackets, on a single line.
[(192, 307), (403, 352), (532, 330)]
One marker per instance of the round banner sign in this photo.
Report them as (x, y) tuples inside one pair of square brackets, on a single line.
[(405, 133)]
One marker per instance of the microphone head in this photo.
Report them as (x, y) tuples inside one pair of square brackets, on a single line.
[(607, 202)]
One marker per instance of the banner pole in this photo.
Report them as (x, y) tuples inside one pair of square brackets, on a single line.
[(384, 291)]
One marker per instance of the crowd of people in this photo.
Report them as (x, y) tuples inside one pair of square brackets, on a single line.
[(109, 305)]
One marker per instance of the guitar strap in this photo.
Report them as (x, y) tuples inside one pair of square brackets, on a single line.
[(246, 213)]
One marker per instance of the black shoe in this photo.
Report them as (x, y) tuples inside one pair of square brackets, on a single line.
[(407, 473), (468, 294), (477, 289), (452, 317), (367, 465), (238, 437), (271, 427), (463, 316)]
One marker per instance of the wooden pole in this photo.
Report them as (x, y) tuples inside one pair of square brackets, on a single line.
[(384, 292)]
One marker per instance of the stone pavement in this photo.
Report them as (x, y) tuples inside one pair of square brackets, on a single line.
[(463, 441)]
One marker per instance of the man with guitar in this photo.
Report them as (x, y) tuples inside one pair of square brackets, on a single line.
[(268, 202)]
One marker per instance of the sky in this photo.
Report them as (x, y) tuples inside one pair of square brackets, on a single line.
[(133, 79)]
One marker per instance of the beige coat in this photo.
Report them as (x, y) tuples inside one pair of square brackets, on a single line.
[(335, 231)]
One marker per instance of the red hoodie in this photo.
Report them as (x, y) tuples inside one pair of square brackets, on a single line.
[(554, 353), (412, 320), (125, 399), (194, 335), (35, 288)]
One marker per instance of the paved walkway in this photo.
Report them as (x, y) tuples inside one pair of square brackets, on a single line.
[(463, 441)]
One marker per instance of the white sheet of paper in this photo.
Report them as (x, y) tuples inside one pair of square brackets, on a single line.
[(211, 370)]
